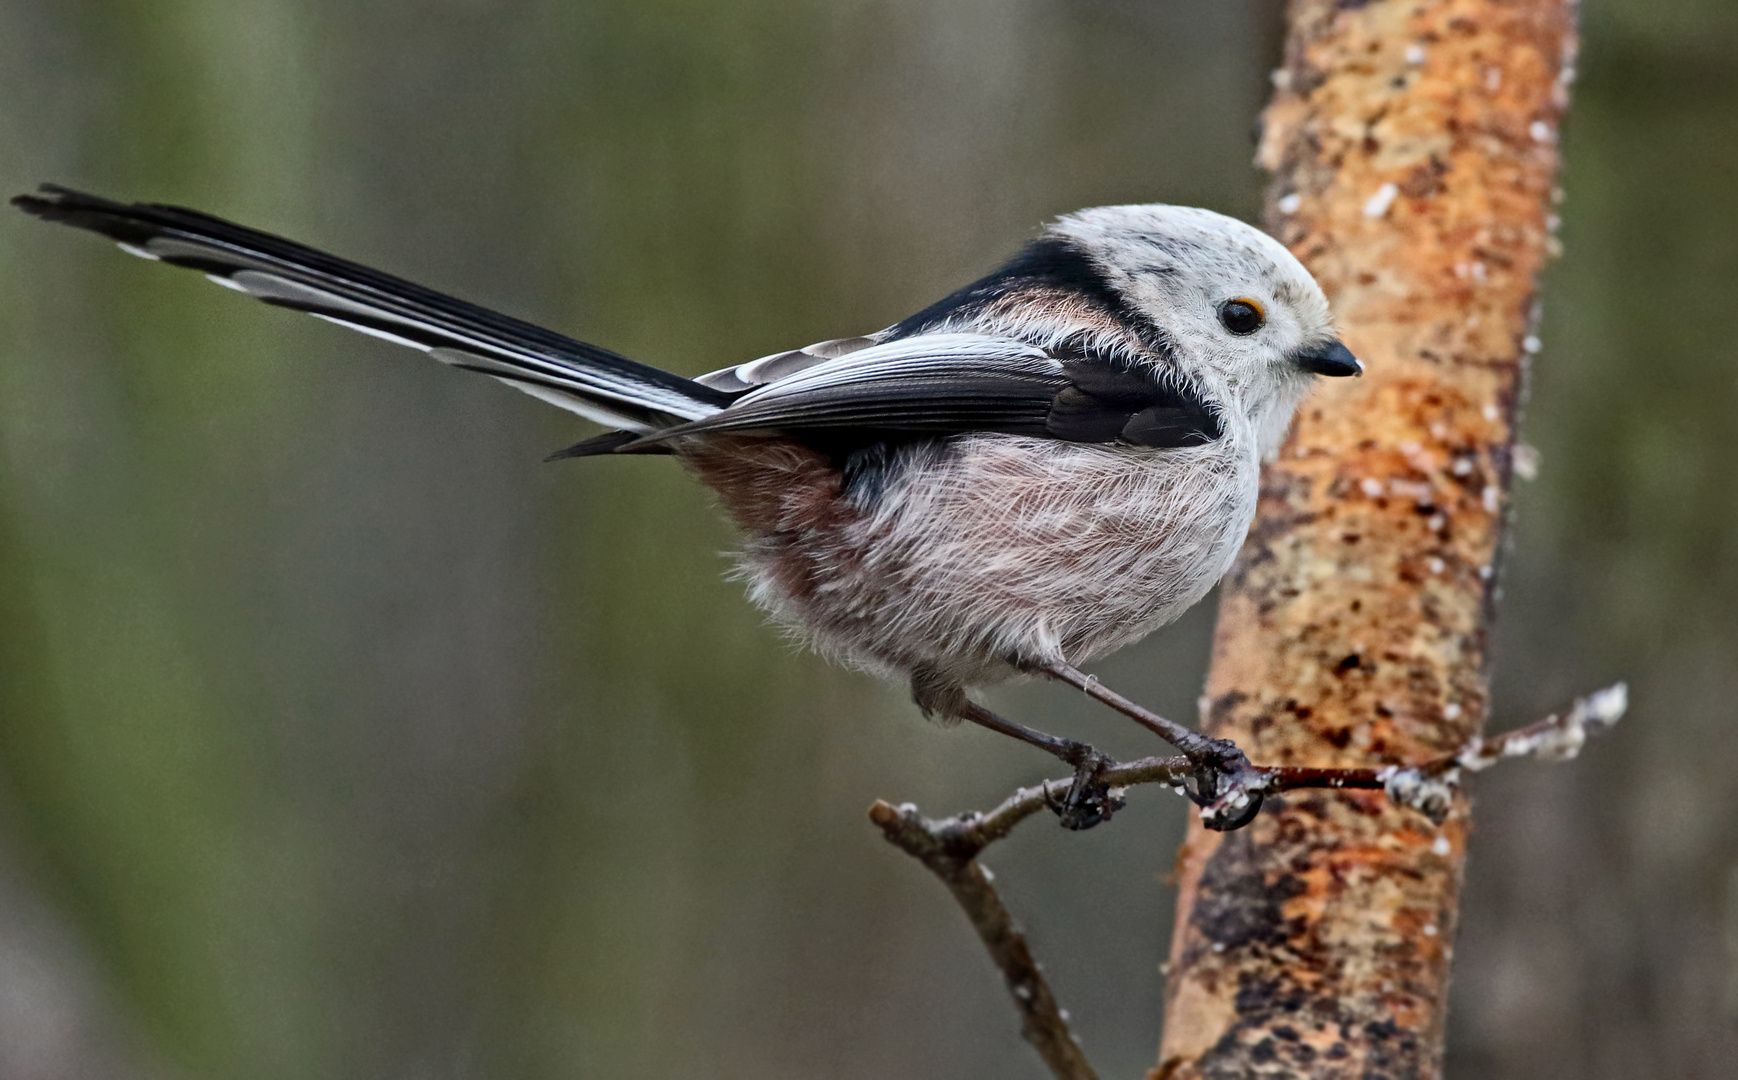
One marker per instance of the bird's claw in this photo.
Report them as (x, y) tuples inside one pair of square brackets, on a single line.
[(1228, 789), (1089, 801)]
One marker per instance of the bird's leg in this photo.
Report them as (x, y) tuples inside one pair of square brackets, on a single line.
[(1089, 800), (1192, 743), (1223, 773)]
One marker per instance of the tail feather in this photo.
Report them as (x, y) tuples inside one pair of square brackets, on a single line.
[(586, 379)]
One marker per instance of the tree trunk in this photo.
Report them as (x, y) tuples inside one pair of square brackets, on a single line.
[(1414, 148)]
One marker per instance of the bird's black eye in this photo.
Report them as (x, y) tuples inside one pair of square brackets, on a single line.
[(1242, 316)]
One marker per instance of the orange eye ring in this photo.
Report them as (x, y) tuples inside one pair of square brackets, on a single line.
[(1242, 316)]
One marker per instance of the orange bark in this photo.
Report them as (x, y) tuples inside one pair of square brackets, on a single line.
[(1414, 149)]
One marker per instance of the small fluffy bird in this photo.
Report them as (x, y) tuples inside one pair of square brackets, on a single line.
[(1042, 467)]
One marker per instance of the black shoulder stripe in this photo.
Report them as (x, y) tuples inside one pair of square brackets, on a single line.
[(1050, 262)]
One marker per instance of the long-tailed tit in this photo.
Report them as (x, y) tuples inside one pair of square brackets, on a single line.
[(1042, 467)]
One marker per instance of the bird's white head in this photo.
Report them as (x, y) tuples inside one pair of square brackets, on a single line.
[(1245, 319)]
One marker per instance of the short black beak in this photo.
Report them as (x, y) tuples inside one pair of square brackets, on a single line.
[(1330, 359)]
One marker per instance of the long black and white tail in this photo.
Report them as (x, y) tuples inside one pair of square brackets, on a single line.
[(585, 379)]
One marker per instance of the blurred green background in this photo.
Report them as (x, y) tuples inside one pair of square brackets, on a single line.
[(340, 737)]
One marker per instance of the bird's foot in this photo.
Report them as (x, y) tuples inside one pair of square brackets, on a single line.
[(1089, 800), (1228, 789)]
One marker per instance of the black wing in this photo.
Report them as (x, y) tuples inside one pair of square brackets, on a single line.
[(948, 384), (1110, 402)]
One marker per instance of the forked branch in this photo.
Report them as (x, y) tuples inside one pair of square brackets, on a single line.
[(950, 847), (950, 853)]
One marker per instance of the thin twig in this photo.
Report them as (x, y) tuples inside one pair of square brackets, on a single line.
[(1229, 790), (1042, 1021), (1425, 787), (1557, 737), (950, 847)]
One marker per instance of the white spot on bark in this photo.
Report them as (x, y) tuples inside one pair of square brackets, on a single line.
[(1378, 204)]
